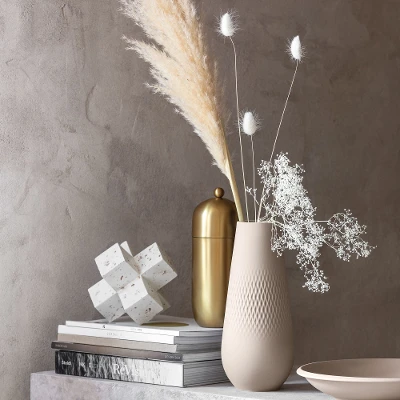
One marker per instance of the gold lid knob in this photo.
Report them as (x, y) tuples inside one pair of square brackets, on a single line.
[(219, 193), (215, 217)]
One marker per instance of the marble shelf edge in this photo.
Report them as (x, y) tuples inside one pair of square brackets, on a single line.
[(50, 386)]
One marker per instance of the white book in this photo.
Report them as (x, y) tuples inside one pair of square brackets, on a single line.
[(162, 324), (137, 336)]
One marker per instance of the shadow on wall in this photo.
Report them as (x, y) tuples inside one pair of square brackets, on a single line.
[(146, 183)]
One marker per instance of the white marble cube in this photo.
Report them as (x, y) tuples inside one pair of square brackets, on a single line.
[(126, 247), (164, 302), (117, 267), (106, 301), (154, 265), (130, 283), (140, 301)]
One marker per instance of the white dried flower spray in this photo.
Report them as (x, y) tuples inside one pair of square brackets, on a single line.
[(289, 210), (286, 206), (227, 27), (250, 125)]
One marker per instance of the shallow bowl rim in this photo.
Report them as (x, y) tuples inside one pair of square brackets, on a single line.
[(337, 378)]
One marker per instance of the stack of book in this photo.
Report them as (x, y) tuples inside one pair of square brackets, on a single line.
[(168, 351)]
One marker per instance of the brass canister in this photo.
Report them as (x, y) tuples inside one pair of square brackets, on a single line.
[(213, 231)]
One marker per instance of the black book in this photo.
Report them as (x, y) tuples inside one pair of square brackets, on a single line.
[(139, 370)]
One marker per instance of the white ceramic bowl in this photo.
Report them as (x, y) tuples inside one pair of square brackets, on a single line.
[(358, 379)]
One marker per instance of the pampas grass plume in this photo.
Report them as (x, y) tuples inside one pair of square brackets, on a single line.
[(296, 50), (250, 123), (183, 71), (228, 25)]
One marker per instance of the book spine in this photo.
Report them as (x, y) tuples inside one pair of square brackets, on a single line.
[(117, 352), (119, 368), (116, 327), (197, 331)]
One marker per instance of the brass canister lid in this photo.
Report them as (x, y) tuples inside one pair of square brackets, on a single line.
[(215, 218)]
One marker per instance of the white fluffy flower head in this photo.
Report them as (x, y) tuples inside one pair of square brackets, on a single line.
[(250, 123), (228, 24), (295, 49)]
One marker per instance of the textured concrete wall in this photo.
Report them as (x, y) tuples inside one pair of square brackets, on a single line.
[(89, 157)]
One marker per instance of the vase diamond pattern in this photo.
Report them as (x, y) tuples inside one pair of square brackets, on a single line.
[(257, 341), (259, 304)]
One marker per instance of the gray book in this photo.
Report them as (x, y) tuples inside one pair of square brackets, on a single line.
[(138, 354), (138, 345), (134, 370)]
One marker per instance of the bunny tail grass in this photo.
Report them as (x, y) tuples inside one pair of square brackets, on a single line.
[(183, 72)]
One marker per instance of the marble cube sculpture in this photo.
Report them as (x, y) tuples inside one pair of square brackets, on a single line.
[(130, 283)]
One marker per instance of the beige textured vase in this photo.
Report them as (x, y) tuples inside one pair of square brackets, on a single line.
[(257, 341)]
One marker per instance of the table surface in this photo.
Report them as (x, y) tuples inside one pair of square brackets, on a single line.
[(48, 385)]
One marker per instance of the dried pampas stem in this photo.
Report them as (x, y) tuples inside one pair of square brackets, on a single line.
[(296, 51), (284, 109), (250, 125), (228, 27), (254, 179), (238, 123), (183, 72)]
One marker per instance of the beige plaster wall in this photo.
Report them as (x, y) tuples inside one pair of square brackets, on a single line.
[(89, 157)]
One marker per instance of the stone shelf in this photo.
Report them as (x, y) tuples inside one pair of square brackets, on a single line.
[(50, 386)]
